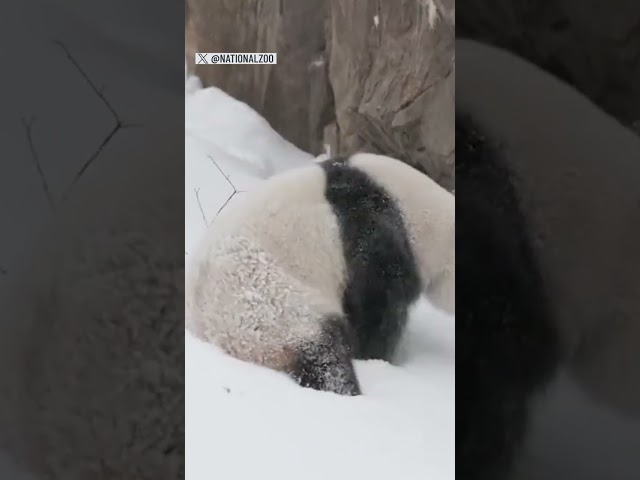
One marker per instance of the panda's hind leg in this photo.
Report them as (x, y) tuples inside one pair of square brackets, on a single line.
[(325, 363)]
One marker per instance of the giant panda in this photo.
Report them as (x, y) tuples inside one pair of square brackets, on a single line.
[(320, 264), (547, 251)]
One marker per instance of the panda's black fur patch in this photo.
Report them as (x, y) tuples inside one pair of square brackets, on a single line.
[(382, 274), (326, 363), (506, 345)]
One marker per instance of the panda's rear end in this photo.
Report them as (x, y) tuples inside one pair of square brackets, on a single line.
[(311, 270)]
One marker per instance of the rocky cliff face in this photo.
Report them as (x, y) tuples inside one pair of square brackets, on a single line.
[(392, 76), (356, 75), (295, 30)]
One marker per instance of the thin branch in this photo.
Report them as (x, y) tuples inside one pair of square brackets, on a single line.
[(28, 125), (94, 155), (93, 86), (225, 204), (235, 190), (119, 124), (197, 192), (223, 174)]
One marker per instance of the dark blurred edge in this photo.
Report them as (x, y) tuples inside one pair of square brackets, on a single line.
[(591, 45), (594, 47), (91, 294)]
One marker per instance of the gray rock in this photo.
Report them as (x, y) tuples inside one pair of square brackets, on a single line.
[(281, 93), (391, 71), (353, 75)]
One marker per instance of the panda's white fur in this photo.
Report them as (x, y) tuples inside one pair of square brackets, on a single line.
[(429, 215), (578, 173), (271, 268), (255, 267)]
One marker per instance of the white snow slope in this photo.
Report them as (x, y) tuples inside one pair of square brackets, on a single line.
[(245, 421)]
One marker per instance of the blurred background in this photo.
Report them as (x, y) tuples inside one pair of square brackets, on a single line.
[(592, 45)]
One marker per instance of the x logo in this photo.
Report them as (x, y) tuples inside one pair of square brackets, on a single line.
[(202, 58)]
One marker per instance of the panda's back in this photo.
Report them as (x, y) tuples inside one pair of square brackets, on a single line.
[(289, 218), (315, 242)]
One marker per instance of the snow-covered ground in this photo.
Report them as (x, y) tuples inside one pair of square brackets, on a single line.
[(245, 421)]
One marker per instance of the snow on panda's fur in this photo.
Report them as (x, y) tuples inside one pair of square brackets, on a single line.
[(320, 264), (547, 202)]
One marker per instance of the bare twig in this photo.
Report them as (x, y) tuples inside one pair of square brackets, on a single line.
[(91, 159), (223, 174), (235, 190), (197, 192), (28, 125), (93, 86), (118, 123), (224, 204)]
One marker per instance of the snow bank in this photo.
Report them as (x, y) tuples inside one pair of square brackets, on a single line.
[(244, 421), (217, 118)]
